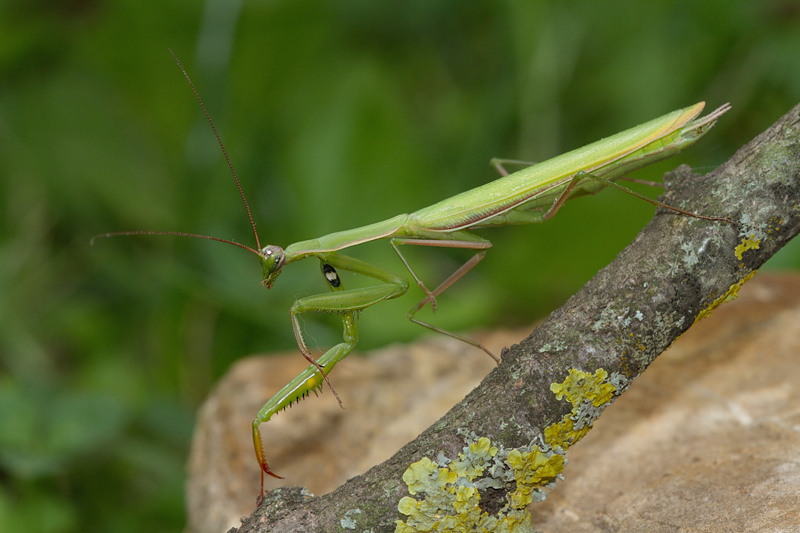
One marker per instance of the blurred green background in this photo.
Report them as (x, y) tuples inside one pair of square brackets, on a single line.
[(335, 115)]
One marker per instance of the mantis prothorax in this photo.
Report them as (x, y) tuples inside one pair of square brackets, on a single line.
[(533, 194)]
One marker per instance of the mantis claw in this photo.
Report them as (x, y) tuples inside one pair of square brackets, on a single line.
[(262, 461)]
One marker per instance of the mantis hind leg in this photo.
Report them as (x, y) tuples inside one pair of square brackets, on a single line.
[(610, 183), (499, 163), (431, 295), (474, 260)]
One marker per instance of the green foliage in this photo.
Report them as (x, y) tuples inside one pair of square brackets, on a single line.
[(336, 114)]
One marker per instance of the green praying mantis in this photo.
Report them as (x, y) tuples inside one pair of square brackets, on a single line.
[(533, 194)]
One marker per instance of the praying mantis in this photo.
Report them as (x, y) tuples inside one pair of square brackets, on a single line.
[(533, 194)]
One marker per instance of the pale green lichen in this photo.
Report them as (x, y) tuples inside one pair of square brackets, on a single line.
[(690, 257), (617, 317), (619, 382), (731, 294), (473, 465), (607, 316), (349, 520)]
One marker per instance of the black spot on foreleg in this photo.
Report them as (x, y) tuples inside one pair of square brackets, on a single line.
[(331, 276)]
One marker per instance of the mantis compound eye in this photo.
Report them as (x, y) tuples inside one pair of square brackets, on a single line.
[(272, 260)]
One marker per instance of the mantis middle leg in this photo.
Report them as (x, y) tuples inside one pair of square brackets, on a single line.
[(480, 245), (580, 176)]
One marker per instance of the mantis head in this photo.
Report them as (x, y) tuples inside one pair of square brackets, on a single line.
[(272, 260)]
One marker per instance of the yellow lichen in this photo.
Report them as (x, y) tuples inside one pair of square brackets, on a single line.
[(581, 386), (750, 243), (731, 294), (452, 500), (452, 492), (563, 434), (578, 387), (533, 469), (419, 476), (469, 467)]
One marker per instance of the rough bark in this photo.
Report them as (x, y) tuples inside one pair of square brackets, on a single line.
[(675, 271)]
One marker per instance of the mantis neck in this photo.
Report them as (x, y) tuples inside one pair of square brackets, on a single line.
[(393, 227)]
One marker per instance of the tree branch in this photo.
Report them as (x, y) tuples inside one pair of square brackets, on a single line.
[(551, 387)]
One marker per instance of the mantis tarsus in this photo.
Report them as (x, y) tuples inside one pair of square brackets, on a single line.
[(533, 194)]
